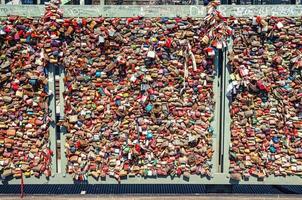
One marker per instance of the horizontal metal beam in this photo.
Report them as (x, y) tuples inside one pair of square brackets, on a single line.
[(261, 10), (133, 10), (153, 11), (22, 10)]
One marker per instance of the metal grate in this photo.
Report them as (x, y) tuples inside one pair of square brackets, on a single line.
[(144, 189), (105, 189), (256, 189), (290, 189)]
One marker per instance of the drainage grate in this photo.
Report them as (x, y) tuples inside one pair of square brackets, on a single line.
[(105, 189), (255, 189), (145, 189)]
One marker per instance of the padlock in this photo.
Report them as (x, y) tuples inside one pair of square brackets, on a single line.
[(6, 173), (151, 54), (73, 118), (11, 132)]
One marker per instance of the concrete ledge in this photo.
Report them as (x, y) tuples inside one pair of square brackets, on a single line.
[(218, 178)]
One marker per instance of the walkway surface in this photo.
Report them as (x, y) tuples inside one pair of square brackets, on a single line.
[(125, 197)]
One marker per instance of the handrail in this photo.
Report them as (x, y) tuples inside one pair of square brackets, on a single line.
[(153, 11)]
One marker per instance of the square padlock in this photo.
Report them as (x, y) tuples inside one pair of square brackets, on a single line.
[(73, 118), (151, 54), (101, 39)]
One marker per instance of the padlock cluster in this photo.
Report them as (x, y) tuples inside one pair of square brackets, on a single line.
[(266, 108), (139, 97), (24, 119), (53, 32)]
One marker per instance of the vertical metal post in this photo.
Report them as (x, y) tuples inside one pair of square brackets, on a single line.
[(52, 107), (219, 106), (223, 83), (216, 123), (82, 2), (62, 117), (227, 117), (2, 1), (223, 66), (102, 2), (38, 2)]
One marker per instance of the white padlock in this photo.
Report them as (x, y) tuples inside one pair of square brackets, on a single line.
[(151, 54)]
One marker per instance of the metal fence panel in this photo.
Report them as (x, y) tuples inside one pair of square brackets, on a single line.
[(219, 177)]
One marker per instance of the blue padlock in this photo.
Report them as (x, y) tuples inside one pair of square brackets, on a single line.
[(272, 149), (30, 112), (275, 139), (210, 129), (149, 135), (28, 39), (287, 87), (33, 81), (118, 102), (98, 74), (73, 149), (149, 107), (79, 123)]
